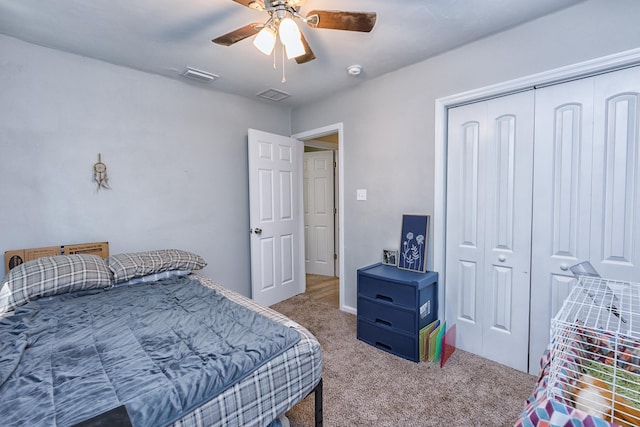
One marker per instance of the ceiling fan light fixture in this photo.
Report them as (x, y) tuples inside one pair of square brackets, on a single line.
[(289, 31), (295, 49), (283, 23), (265, 40)]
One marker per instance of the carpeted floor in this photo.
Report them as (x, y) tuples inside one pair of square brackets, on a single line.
[(364, 386)]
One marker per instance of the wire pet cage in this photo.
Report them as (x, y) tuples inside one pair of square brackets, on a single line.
[(595, 348)]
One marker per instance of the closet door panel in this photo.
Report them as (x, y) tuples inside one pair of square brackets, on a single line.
[(561, 201), (615, 251), (465, 224), (503, 204), (466, 306), (500, 315), (565, 182), (620, 173), (586, 183), (489, 227), (509, 170)]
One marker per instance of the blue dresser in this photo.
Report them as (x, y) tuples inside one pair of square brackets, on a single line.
[(393, 305)]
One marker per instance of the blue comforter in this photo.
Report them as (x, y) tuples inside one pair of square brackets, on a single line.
[(159, 349)]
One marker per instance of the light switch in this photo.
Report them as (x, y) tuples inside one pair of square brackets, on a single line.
[(361, 194)]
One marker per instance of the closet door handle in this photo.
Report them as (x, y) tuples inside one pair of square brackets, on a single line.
[(502, 258), (564, 266)]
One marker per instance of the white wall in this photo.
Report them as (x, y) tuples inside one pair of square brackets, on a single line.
[(176, 158), (389, 121)]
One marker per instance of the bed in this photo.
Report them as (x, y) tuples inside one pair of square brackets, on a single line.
[(139, 339)]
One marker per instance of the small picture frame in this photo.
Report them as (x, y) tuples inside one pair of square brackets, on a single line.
[(414, 239), (390, 257)]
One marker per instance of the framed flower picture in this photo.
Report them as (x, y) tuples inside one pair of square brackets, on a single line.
[(413, 243)]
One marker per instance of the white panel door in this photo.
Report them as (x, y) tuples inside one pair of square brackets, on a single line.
[(561, 199), (490, 162), (615, 221), (465, 255), (586, 183), (507, 277), (275, 223), (319, 213)]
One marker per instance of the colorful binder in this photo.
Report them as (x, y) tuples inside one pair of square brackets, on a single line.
[(424, 339)]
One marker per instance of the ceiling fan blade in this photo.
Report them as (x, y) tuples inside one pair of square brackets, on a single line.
[(308, 54), (240, 34), (337, 20), (253, 4)]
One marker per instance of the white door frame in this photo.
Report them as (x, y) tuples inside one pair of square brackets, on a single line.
[(595, 66), (317, 133)]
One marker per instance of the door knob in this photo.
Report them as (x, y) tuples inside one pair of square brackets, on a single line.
[(258, 230), (502, 258), (564, 266)]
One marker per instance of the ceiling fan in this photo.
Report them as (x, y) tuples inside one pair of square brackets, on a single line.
[(282, 16)]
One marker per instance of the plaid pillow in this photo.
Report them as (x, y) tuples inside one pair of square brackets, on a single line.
[(155, 277), (54, 275), (130, 265)]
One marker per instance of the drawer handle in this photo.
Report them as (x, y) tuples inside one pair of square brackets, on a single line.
[(383, 345), (384, 298), (384, 322)]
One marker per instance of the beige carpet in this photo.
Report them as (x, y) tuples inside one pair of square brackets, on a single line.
[(364, 386)]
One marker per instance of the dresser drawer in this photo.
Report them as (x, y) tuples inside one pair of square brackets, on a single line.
[(386, 314), (384, 290), (397, 343), (393, 306)]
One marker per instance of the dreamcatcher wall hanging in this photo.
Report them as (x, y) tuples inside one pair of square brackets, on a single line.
[(100, 174)]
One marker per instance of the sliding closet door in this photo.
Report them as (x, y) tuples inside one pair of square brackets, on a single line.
[(490, 157), (586, 183)]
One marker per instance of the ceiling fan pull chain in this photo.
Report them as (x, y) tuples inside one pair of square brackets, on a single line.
[(284, 78), (274, 60)]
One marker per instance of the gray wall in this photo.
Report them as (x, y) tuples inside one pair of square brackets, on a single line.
[(177, 154), (389, 121), (176, 158)]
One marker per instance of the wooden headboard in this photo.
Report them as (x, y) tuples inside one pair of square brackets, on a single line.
[(18, 256)]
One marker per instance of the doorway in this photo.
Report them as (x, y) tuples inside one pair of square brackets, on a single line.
[(320, 218), (324, 285)]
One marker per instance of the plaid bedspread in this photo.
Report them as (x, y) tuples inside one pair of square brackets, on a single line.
[(271, 390)]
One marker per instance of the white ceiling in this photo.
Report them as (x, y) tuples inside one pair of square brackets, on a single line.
[(165, 36)]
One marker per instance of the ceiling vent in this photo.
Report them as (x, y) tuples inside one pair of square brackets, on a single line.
[(273, 95), (199, 75)]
